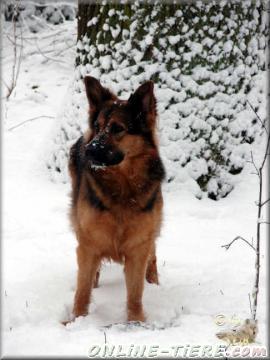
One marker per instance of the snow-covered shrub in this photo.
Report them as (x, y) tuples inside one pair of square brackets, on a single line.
[(205, 59), (36, 14)]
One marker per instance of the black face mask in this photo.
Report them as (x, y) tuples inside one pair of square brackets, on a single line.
[(101, 154)]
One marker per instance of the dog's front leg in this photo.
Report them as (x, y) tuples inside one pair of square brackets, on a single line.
[(135, 269), (151, 270), (88, 264)]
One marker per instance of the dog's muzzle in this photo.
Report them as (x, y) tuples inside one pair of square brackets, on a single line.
[(102, 154)]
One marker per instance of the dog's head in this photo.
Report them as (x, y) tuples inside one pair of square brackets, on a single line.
[(120, 129)]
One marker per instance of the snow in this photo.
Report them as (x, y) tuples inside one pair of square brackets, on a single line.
[(198, 279), (174, 39), (148, 39), (105, 62)]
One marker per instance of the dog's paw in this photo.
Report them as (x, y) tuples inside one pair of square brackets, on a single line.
[(152, 278), (66, 322), (69, 321)]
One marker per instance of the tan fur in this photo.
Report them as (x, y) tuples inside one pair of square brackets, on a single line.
[(124, 233)]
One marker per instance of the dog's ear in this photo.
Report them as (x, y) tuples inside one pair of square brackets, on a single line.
[(143, 99), (143, 105), (96, 93)]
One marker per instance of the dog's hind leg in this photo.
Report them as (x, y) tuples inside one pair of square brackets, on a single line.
[(151, 270), (88, 265), (96, 282)]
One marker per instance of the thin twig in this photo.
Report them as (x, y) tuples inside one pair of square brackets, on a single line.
[(28, 120), (39, 37), (227, 246), (266, 152), (48, 57), (253, 162), (4, 82), (38, 19), (11, 40), (258, 117), (20, 57), (15, 54), (250, 307), (265, 202)]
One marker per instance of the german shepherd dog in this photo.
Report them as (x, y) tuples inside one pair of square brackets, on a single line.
[(116, 174)]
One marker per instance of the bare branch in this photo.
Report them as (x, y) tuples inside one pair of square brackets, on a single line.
[(4, 82), (28, 120), (265, 202), (250, 307), (268, 139), (258, 117), (266, 152), (20, 57), (48, 57), (11, 40), (227, 246), (38, 37), (253, 163)]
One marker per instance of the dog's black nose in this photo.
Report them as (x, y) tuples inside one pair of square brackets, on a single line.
[(96, 151), (100, 153), (91, 148)]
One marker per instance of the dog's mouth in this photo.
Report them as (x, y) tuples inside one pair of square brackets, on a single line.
[(97, 166), (112, 159)]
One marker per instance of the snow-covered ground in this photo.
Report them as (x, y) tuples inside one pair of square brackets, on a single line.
[(199, 280)]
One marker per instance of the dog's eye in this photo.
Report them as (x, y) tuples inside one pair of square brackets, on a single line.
[(117, 129)]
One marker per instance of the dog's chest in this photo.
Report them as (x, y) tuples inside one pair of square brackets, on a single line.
[(123, 230)]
